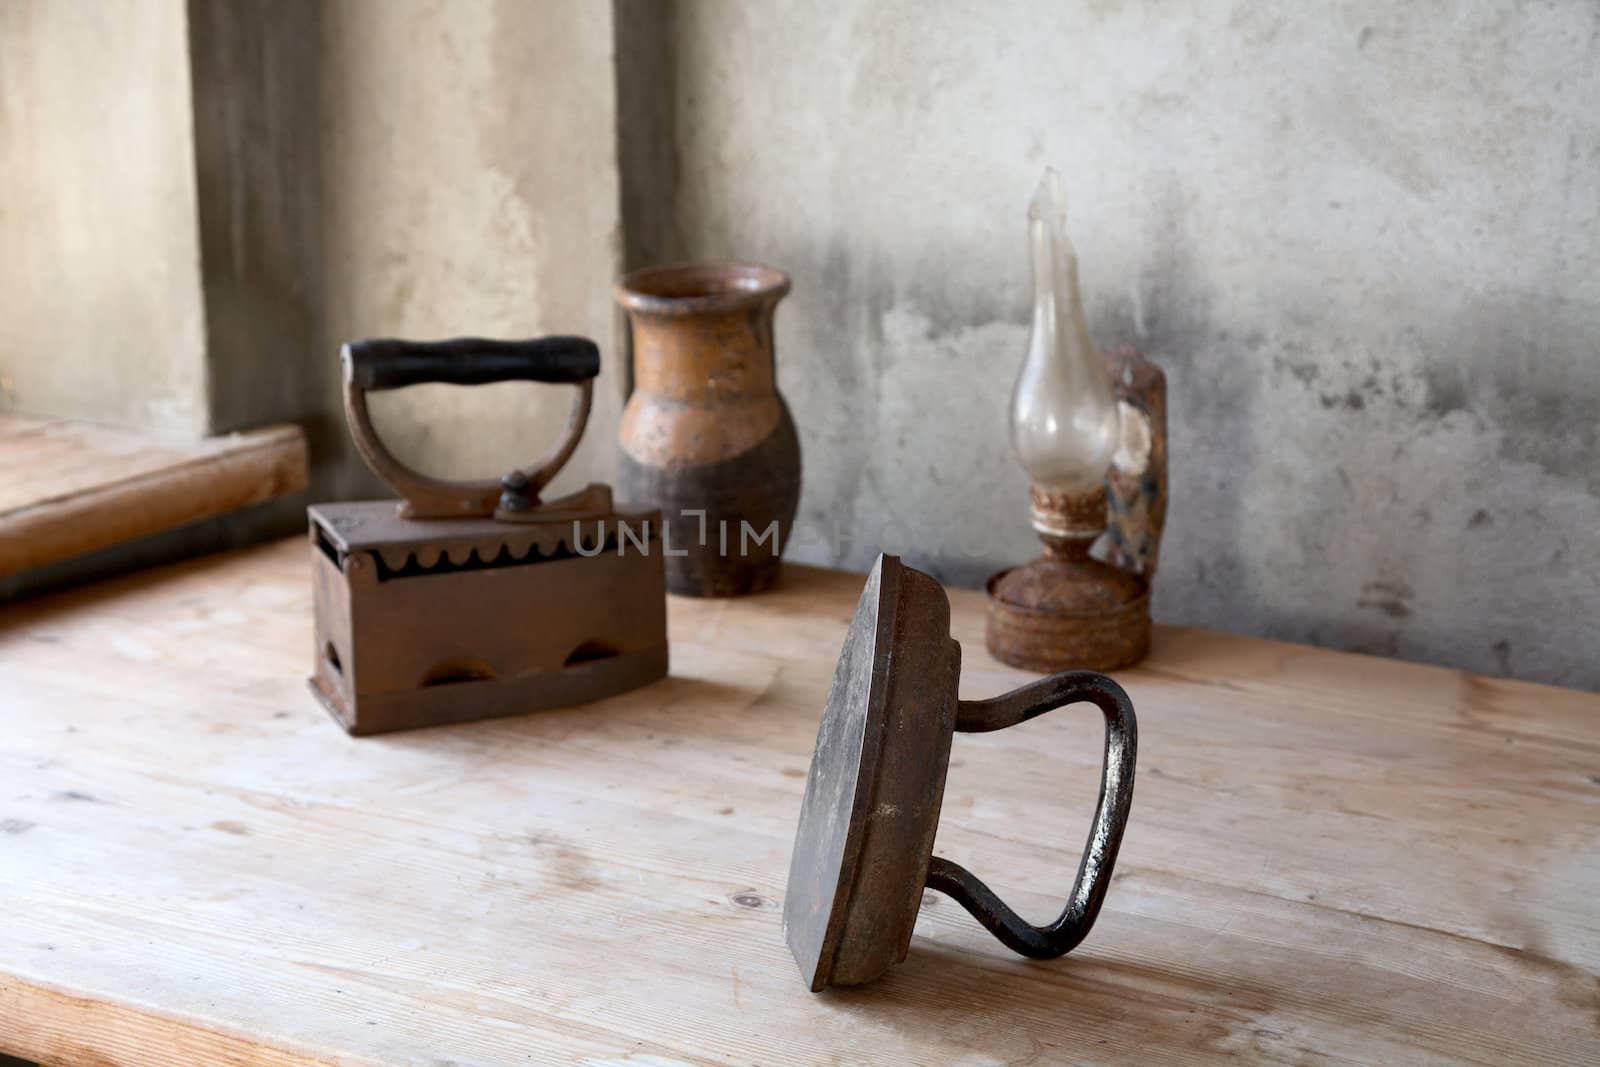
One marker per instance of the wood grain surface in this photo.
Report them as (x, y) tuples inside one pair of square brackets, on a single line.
[(68, 488), (1331, 858)]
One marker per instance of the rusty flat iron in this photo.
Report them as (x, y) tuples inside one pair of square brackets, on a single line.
[(864, 848), (469, 600)]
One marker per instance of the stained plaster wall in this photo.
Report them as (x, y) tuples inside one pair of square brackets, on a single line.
[(1362, 238), (100, 309)]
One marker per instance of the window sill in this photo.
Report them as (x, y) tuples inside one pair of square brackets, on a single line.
[(70, 488)]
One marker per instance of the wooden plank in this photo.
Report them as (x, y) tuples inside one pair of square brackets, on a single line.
[(101, 1031), (1331, 857), (67, 488)]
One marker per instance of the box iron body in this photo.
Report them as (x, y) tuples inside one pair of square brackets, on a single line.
[(423, 622)]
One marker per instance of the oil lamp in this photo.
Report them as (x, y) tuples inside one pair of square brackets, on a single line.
[(1091, 433)]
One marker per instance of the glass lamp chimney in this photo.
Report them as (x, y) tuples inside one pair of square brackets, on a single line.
[(1064, 417)]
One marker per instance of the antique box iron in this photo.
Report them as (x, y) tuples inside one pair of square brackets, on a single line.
[(467, 600), (864, 849)]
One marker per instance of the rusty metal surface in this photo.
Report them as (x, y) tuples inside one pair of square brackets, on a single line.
[(374, 525), (473, 600), (1105, 832), (706, 436), (876, 783), (1060, 515), (864, 846), (422, 622), (1067, 610)]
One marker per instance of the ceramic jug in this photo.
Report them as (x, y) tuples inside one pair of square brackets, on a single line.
[(706, 437)]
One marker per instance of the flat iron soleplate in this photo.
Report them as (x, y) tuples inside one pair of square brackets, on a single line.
[(876, 783)]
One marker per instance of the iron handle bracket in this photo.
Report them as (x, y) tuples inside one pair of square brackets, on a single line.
[(1105, 833), (386, 363)]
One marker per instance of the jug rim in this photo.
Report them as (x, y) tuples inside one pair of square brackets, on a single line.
[(699, 287)]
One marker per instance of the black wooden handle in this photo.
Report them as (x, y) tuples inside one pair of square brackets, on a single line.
[(386, 363)]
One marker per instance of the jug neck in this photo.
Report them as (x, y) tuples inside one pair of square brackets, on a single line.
[(729, 353), (703, 328)]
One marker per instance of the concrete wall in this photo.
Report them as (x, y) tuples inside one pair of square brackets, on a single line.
[(257, 76), (100, 309), (189, 261), (408, 169), (470, 187), (1363, 239), (200, 201)]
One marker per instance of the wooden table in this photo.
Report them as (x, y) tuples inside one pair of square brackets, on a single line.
[(1330, 856)]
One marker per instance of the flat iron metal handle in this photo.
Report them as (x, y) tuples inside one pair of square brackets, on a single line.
[(1105, 835), (386, 363)]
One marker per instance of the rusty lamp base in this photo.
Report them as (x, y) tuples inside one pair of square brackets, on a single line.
[(1067, 610)]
